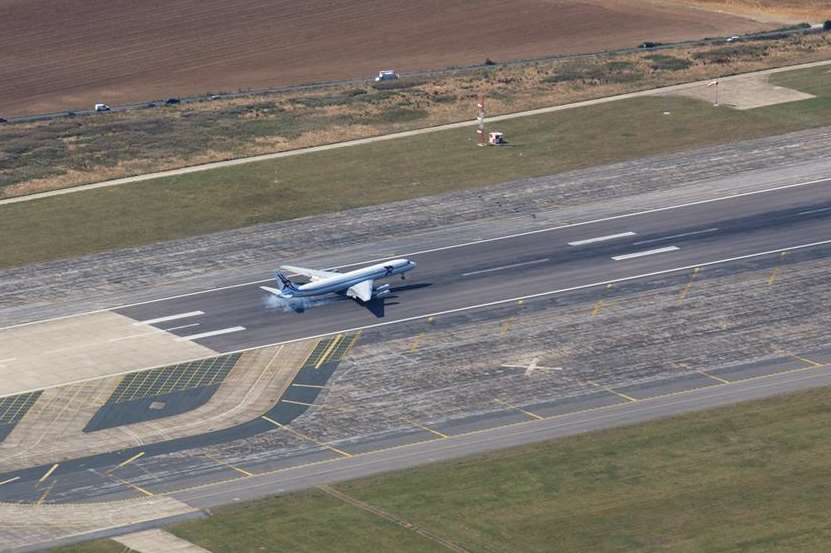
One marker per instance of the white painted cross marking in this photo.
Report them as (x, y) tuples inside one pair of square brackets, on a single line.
[(643, 253), (211, 333), (170, 318), (533, 366), (602, 239)]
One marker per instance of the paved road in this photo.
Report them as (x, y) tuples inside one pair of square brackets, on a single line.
[(503, 270), (403, 134)]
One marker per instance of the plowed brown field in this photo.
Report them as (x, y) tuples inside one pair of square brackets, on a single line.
[(65, 54)]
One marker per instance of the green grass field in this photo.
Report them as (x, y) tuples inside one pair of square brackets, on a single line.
[(324, 182)]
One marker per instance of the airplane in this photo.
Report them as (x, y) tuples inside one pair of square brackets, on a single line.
[(358, 284)]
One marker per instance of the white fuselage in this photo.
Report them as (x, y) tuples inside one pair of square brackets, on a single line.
[(347, 280)]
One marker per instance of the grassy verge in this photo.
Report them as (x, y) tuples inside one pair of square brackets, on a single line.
[(99, 546), (749, 478), (70, 151), (372, 174)]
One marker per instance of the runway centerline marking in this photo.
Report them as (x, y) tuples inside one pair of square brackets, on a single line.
[(674, 236), (169, 318), (210, 333), (452, 246), (505, 267), (602, 239), (180, 327), (645, 253)]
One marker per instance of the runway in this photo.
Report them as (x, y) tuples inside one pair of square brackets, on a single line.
[(482, 273), (458, 279)]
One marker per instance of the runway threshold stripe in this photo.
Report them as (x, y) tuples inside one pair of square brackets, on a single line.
[(645, 253), (211, 333), (602, 239), (170, 318), (505, 267)]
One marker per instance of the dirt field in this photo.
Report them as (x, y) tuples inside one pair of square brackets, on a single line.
[(73, 53), (795, 11)]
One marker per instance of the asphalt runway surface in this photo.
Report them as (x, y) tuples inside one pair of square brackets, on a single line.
[(482, 273)]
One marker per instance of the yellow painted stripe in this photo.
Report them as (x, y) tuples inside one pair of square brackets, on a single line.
[(309, 356), (523, 411), (808, 361), (722, 380), (305, 437), (130, 460), (351, 344), (416, 342), (49, 472), (229, 465), (427, 428), (328, 351), (611, 391), (133, 486), (45, 493)]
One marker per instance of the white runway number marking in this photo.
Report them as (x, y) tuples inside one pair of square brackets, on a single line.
[(645, 253), (602, 239), (211, 333)]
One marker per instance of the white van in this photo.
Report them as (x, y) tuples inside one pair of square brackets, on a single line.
[(386, 75), (102, 107)]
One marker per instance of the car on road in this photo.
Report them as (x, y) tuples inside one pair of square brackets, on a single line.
[(733, 38), (172, 101), (3, 120), (102, 107), (649, 44), (386, 75)]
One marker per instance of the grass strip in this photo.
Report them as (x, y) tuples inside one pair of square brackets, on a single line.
[(98, 546), (750, 478), (324, 182)]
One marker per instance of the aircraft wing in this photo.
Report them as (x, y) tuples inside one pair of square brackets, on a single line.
[(313, 274), (362, 290)]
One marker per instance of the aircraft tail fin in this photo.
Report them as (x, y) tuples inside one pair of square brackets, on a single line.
[(283, 282)]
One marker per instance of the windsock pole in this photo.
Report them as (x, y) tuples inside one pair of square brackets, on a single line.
[(481, 119)]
